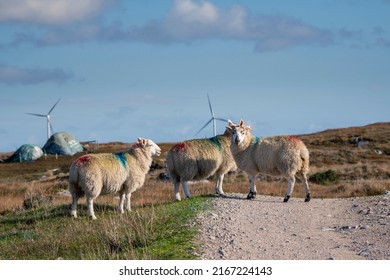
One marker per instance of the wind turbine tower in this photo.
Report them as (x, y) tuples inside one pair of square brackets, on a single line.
[(213, 119), (47, 116)]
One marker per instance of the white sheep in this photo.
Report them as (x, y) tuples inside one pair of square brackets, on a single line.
[(198, 159), (283, 156), (120, 173)]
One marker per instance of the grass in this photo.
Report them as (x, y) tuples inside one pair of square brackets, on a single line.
[(324, 178), (34, 220), (160, 232)]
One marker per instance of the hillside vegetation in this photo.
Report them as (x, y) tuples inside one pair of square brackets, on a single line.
[(34, 208)]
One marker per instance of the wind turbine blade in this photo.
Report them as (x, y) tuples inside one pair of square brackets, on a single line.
[(211, 108), (214, 127), (204, 126), (220, 119), (51, 129), (38, 115), (54, 106)]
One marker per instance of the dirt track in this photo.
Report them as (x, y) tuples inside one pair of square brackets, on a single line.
[(266, 228)]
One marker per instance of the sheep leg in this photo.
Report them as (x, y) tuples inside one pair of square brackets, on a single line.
[(176, 186), (252, 191), (90, 207), (128, 204), (73, 207), (306, 185), (291, 183), (186, 189), (121, 202), (218, 185)]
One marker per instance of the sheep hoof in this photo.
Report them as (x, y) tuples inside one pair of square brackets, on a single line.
[(286, 198), (73, 214), (308, 197), (251, 195)]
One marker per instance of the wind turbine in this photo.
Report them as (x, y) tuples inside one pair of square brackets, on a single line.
[(213, 119), (47, 116)]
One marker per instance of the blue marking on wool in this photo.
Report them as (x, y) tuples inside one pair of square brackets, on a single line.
[(122, 159), (215, 140), (256, 140)]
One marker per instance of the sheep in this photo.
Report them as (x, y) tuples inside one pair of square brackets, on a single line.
[(198, 159), (120, 173), (283, 156)]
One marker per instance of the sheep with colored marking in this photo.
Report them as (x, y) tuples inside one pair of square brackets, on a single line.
[(121, 173), (283, 156), (198, 159)]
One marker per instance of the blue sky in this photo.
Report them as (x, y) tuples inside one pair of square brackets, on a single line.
[(128, 69)]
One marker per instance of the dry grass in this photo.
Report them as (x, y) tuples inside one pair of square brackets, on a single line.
[(361, 172), (152, 230)]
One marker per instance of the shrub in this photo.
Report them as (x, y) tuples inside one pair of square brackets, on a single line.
[(371, 190), (340, 189), (324, 178), (33, 201)]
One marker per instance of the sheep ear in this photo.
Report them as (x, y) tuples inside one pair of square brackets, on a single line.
[(141, 141), (230, 124)]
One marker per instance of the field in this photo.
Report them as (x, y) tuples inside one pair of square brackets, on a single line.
[(34, 221)]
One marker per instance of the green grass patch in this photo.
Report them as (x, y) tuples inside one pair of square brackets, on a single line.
[(324, 178), (160, 232)]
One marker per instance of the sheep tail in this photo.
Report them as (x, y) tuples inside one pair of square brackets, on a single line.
[(74, 187), (304, 153), (171, 169)]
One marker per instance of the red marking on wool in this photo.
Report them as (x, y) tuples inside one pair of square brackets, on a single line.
[(83, 159), (294, 138), (136, 145), (180, 147)]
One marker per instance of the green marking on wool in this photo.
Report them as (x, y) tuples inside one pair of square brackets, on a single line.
[(256, 140), (215, 140), (122, 159)]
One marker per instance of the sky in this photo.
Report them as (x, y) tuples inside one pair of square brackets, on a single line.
[(140, 68)]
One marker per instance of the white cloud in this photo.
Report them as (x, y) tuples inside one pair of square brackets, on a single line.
[(50, 11), (188, 21), (192, 20), (12, 75), (192, 12)]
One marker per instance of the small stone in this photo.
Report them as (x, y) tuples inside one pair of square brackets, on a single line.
[(221, 251)]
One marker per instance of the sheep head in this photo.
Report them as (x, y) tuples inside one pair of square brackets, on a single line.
[(148, 145), (238, 132)]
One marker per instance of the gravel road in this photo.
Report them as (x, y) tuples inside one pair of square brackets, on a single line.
[(265, 228)]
